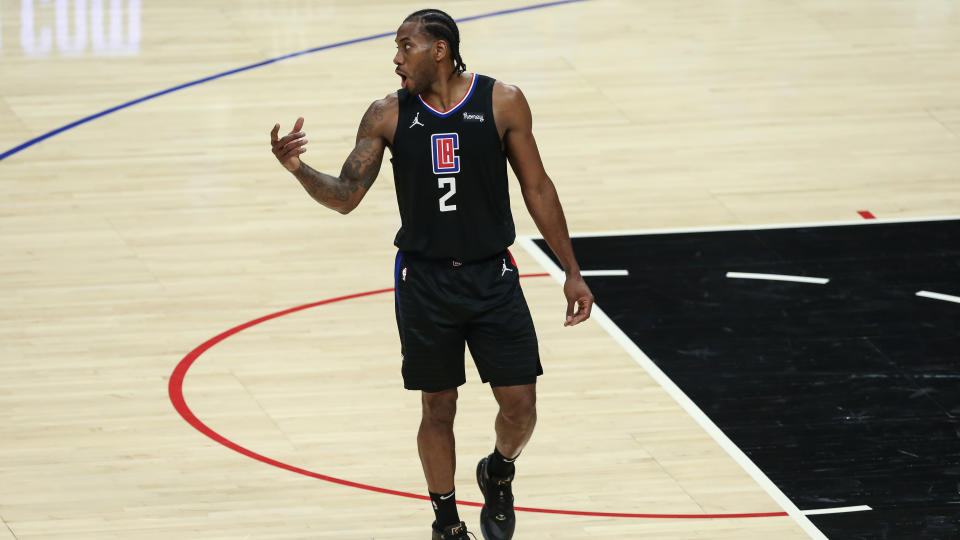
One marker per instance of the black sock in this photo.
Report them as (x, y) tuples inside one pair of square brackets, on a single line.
[(445, 508), (499, 465)]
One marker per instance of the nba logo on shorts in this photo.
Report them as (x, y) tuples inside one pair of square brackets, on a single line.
[(444, 147)]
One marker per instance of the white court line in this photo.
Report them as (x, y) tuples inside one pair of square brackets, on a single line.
[(840, 510), (778, 277), (938, 296), (588, 273), (723, 228), (688, 405)]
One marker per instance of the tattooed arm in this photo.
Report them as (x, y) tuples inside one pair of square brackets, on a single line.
[(341, 193)]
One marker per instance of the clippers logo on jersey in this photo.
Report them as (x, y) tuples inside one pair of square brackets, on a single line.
[(444, 147)]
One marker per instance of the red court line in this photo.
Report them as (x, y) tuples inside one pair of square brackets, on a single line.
[(175, 389), (866, 214)]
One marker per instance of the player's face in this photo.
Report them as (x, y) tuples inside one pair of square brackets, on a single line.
[(414, 58)]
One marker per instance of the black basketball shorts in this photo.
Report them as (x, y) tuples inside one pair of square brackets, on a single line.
[(442, 304)]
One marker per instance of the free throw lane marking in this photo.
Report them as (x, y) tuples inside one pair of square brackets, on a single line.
[(778, 277), (599, 273), (939, 296), (840, 510)]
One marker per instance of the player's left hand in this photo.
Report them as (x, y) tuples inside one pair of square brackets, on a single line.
[(579, 295)]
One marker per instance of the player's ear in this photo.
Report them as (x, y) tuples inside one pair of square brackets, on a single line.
[(440, 50)]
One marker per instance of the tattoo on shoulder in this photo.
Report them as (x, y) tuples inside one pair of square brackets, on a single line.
[(371, 118)]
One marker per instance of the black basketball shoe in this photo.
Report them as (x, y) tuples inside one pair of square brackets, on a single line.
[(453, 532), (497, 519)]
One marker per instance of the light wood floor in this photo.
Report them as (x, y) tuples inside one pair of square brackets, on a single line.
[(130, 240)]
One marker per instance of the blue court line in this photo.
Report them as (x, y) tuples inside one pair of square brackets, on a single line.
[(155, 95)]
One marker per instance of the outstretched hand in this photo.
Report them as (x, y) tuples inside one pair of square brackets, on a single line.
[(288, 149), (579, 296)]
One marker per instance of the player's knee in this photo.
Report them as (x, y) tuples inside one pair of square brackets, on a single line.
[(521, 410), (440, 407)]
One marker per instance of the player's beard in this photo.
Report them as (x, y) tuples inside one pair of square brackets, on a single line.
[(412, 85), (418, 81)]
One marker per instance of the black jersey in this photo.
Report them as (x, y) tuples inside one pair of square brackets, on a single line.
[(450, 173)]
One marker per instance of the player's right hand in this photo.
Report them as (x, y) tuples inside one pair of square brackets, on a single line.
[(290, 146)]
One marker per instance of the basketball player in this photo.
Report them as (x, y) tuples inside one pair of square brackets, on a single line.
[(450, 134)]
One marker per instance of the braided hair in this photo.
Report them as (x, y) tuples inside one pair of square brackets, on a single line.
[(439, 25)]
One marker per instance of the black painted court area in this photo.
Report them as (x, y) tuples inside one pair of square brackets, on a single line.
[(844, 394)]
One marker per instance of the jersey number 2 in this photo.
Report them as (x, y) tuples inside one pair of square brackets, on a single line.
[(452, 182)]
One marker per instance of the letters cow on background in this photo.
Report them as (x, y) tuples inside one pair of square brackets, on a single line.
[(92, 24)]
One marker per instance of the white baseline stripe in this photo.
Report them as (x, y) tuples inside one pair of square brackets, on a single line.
[(588, 273), (688, 405), (938, 296), (840, 510), (778, 277), (723, 228)]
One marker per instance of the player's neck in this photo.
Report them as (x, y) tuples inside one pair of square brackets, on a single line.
[(447, 91)]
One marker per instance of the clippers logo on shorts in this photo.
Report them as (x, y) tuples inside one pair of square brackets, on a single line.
[(444, 147)]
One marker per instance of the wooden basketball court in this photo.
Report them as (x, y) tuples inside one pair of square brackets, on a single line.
[(159, 219)]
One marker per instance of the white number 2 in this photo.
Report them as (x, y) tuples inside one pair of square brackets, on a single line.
[(452, 182)]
